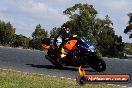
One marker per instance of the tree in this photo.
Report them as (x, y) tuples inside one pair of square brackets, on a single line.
[(128, 48), (128, 29), (104, 35), (82, 15), (37, 35), (54, 32), (21, 41), (2, 26), (7, 32), (83, 21), (39, 32)]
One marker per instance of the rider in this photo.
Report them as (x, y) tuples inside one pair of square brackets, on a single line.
[(60, 40)]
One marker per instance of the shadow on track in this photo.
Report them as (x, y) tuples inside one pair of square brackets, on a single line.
[(53, 67)]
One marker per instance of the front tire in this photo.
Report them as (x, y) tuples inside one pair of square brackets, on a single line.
[(97, 64)]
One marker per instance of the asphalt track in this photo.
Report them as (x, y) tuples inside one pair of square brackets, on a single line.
[(35, 62)]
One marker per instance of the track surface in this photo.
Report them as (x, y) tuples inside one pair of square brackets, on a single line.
[(35, 62)]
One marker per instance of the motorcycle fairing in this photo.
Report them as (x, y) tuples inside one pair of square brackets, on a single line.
[(86, 45)]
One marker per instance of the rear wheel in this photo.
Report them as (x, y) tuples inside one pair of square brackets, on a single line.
[(97, 64), (54, 61)]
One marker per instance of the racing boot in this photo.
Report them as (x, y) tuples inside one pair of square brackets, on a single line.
[(62, 58)]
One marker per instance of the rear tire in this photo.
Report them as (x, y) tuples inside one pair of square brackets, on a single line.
[(54, 61)]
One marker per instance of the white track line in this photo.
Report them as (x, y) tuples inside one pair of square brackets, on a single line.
[(62, 77), (69, 78)]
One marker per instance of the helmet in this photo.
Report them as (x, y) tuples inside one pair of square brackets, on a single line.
[(64, 29)]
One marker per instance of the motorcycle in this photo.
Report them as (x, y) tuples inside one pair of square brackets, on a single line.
[(81, 52)]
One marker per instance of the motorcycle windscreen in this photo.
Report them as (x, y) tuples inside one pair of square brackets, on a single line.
[(70, 45)]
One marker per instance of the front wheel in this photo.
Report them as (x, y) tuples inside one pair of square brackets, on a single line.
[(97, 64)]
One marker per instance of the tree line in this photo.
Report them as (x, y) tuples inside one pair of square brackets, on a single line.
[(83, 20), (9, 38)]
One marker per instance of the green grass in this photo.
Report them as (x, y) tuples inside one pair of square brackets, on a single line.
[(11, 79)]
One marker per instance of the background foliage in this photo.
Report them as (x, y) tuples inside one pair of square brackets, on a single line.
[(82, 21)]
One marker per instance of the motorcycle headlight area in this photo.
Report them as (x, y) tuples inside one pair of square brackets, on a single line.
[(92, 48)]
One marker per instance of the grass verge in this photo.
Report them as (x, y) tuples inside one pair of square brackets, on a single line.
[(12, 79)]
